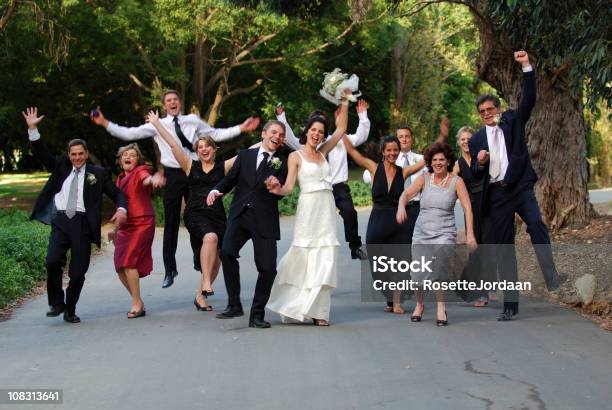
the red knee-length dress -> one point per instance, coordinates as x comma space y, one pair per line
134, 239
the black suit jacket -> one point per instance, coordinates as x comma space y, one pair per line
520, 172
60, 167
251, 191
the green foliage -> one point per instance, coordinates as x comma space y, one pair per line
23, 249
571, 38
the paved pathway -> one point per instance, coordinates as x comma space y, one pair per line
177, 358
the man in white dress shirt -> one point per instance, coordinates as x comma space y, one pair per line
186, 129
339, 171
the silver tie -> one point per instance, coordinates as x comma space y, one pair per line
494, 166
73, 195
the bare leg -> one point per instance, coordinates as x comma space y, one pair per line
209, 259
419, 307
441, 305
124, 280
397, 307
133, 281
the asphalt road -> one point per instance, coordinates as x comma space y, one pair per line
178, 358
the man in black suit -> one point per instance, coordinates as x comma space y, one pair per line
503, 161
71, 203
253, 215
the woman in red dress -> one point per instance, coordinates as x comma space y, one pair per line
134, 238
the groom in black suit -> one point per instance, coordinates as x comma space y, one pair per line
71, 203
253, 215
503, 161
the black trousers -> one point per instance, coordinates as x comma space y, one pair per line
344, 203
412, 210
504, 203
175, 191
74, 235
239, 231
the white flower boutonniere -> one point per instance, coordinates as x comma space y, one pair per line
275, 163
91, 179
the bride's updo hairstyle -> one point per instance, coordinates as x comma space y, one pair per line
311, 120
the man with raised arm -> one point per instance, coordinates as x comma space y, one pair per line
503, 161
185, 129
71, 202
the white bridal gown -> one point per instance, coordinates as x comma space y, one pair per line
307, 272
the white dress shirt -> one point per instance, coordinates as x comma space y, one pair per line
61, 198
503, 154
191, 125
336, 158
260, 156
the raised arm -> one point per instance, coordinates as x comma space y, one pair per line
363, 129
177, 150
228, 163
528, 98
290, 139
359, 159
412, 169
444, 130
341, 124
39, 149
118, 131
224, 134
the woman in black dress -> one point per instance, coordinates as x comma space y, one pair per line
387, 187
475, 269
206, 225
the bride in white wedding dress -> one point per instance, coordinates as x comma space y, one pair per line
307, 272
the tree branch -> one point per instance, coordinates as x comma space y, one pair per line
6, 16
244, 90
139, 83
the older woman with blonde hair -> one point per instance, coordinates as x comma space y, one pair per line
133, 240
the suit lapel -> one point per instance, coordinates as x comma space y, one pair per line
86, 187
251, 167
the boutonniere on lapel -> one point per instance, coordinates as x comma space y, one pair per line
91, 179
275, 163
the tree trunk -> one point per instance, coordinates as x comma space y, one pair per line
556, 133
200, 67
213, 111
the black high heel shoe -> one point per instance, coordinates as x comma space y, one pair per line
206, 293
201, 308
441, 323
415, 318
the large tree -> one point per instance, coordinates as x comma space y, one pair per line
569, 42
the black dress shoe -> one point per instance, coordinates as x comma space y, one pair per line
556, 281
231, 312
259, 323
169, 279
358, 253
56, 310
510, 310
71, 318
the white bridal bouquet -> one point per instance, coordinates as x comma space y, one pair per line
335, 82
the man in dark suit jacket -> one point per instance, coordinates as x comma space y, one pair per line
253, 215
71, 203
503, 161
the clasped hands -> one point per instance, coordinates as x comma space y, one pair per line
273, 185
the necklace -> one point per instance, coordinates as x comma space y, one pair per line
441, 184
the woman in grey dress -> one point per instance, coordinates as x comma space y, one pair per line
435, 233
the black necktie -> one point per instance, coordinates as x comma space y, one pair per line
262, 163
179, 133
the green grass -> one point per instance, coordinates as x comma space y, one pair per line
20, 190
23, 249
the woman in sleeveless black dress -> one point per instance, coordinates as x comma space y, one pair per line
206, 225
383, 229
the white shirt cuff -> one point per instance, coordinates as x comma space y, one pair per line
281, 117
363, 116
528, 69
122, 209
111, 127
213, 190
33, 134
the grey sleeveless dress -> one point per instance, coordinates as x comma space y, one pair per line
435, 232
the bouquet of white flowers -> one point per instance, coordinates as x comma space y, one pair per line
335, 83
